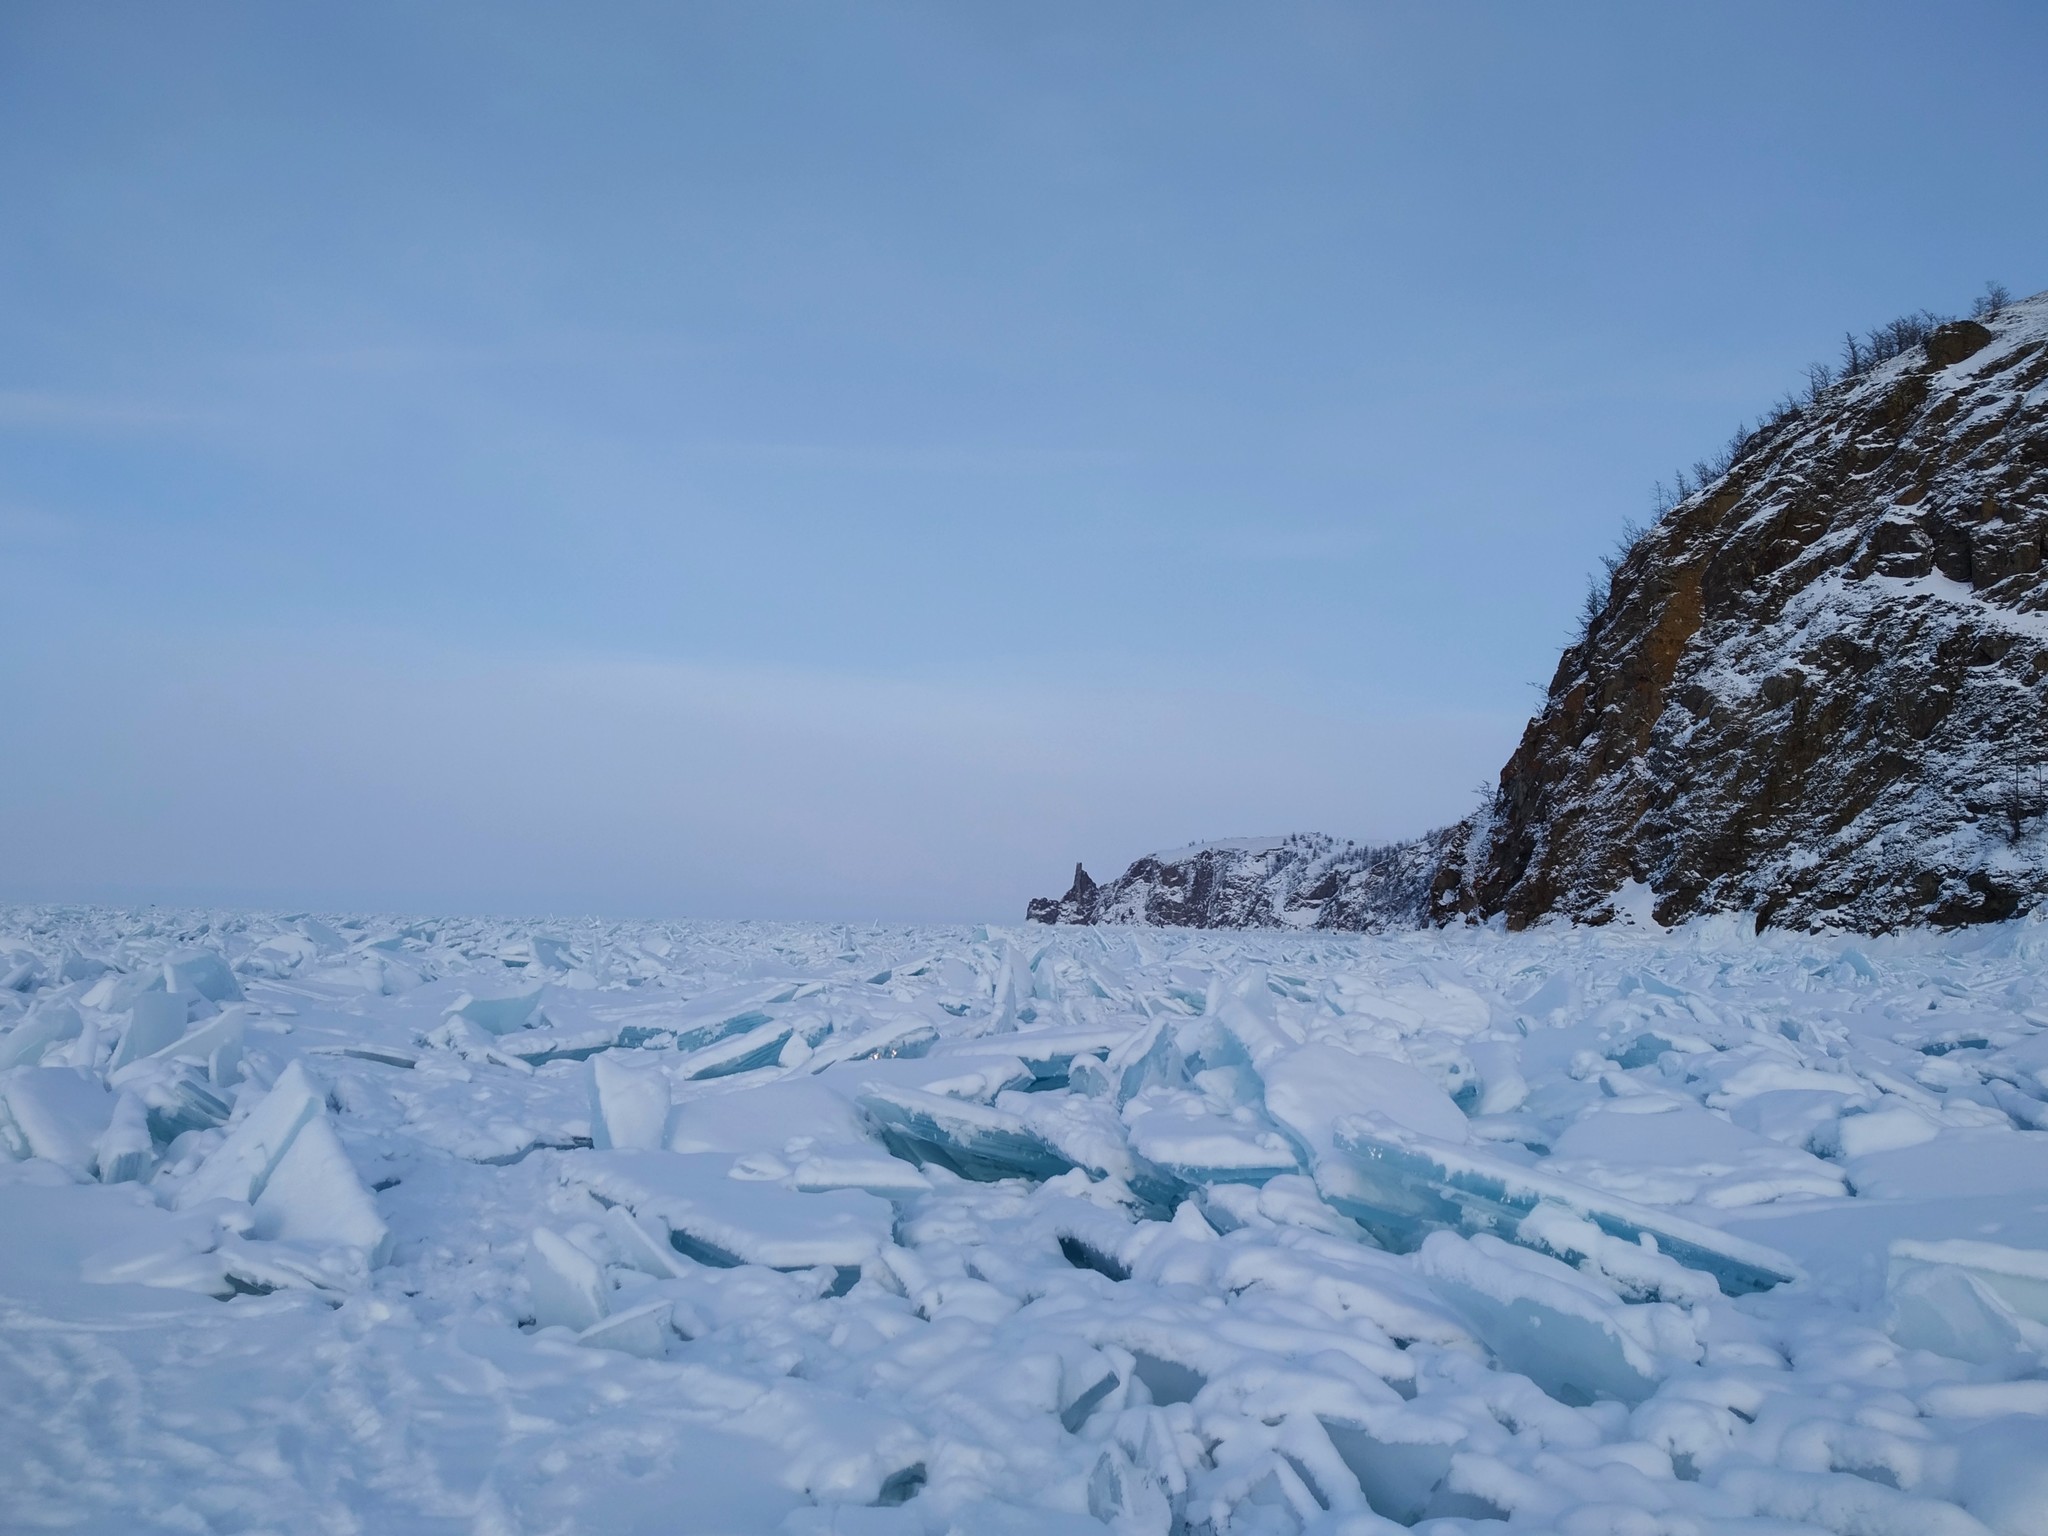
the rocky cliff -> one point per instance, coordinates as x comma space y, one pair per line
1303, 881
1816, 690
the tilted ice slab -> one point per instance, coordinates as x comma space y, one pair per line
499, 1015
1981, 1302
2017, 1276
1667, 1150
1544, 1319
1402, 1187
1310, 1089
1050, 1054
204, 971
629, 1102
720, 1220
241, 1165
895, 1039
286, 1162
742, 1051
976, 1141
313, 1195
798, 1131
56, 1113
553, 1042
566, 1288
125, 1150
155, 1020
48, 1023
1200, 1147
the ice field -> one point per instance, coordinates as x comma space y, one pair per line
380, 1226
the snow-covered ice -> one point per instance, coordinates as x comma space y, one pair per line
364, 1225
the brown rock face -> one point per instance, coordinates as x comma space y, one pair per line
1953, 342
1816, 691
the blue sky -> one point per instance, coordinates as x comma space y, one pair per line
852, 461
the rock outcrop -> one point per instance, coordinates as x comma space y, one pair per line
1816, 691
1303, 881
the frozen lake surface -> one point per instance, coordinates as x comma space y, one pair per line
464, 1226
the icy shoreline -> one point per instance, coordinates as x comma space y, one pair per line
455, 1225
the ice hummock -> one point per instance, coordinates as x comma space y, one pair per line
916, 1230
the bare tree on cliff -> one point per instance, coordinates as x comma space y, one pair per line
2019, 786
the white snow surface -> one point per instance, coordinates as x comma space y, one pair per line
907, 1231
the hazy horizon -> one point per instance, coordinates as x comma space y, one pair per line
852, 464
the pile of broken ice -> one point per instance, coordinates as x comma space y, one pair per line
457, 1225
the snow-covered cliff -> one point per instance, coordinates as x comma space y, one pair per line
1306, 880
1816, 690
